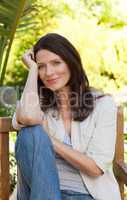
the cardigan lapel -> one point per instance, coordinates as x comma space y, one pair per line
81, 135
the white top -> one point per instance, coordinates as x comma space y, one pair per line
69, 176
96, 138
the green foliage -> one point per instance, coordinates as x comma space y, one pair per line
10, 14
108, 13
6, 112
45, 16
12, 161
106, 46
13, 171
103, 49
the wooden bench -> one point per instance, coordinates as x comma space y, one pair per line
120, 168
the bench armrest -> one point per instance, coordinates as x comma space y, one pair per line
121, 171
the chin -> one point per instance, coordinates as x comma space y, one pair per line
56, 88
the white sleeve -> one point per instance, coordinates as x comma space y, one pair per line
102, 145
15, 124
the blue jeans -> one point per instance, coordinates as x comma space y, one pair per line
37, 172
70, 195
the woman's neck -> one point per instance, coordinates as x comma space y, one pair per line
63, 97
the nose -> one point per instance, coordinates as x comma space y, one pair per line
49, 70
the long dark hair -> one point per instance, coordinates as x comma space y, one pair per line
81, 97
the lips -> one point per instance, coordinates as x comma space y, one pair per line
52, 81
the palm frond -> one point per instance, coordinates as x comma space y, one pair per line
12, 13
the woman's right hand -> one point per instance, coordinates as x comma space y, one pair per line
28, 59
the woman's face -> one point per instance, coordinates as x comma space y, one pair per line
53, 71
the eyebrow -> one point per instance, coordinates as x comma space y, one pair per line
56, 59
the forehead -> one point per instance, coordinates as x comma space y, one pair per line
46, 55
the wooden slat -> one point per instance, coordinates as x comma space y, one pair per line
119, 150
6, 124
5, 127
121, 169
4, 166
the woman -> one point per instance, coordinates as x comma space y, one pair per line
67, 131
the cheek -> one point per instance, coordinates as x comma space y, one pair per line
41, 75
65, 72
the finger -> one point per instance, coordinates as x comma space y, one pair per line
30, 53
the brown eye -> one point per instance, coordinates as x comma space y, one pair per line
57, 62
41, 66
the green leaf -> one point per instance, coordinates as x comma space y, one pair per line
11, 13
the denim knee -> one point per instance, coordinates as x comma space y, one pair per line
36, 131
32, 136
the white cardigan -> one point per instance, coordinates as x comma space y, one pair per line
95, 137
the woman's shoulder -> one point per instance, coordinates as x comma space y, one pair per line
103, 100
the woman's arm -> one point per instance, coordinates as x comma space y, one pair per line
99, 155
28, 110
77, 159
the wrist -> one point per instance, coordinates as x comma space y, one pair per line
33, 67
